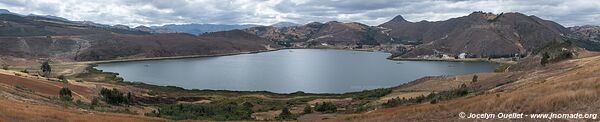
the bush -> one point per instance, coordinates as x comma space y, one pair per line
5, 66
371, 94
62, 79
474, 78
95, 102
24, 71
307, 109
326, 107
285, 114
545, 58
46, 69
215, 111
115, 96
65, 94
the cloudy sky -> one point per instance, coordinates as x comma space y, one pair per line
371, 12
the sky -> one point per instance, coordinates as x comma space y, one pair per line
266, 12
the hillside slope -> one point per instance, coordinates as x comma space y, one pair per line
33, 37
480, 34
565, 87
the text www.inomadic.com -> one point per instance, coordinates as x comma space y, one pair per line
532, 116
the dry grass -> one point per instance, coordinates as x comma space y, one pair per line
565, 87
13, 111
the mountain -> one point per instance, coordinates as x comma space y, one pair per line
33, 37
480, 34
324, 35
587, 32
202, 28
4, 11
587, 36
284, 24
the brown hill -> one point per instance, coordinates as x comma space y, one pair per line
35, 37
481, 34
318, 34
587, 36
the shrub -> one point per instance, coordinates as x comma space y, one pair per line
115, 96
285, 114
474, 78
95, 102
5, 66
307, 109
215, 111
62, 79
326, 107
24, 71
65, 94
545, 58
46, 69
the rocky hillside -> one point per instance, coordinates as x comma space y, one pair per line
478, 34
34, 37
587, 36
331, 34
481, 34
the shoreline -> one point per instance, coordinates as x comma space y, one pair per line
496, 61
175, 57
209, 55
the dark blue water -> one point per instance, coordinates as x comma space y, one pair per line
286, 71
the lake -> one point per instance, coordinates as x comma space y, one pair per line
290, 70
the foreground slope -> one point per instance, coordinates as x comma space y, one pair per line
566, 87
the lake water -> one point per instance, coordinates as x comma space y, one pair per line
286, 71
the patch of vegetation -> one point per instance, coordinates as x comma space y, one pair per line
24, 71
123, 111
475, 78
46, 69
5, 66
326, 107
433, 98
62, 79
115, 96
371, 94
212, 111
307, 109
545, 58
501, 68
285, 114
93, 74
65, 94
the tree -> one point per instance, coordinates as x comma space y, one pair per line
115, 96
326, 107
46, 69
545, 58
65, 94
285, 114
95, 102
5, 66
307, 109
474, 78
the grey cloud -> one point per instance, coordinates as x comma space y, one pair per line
371, 12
